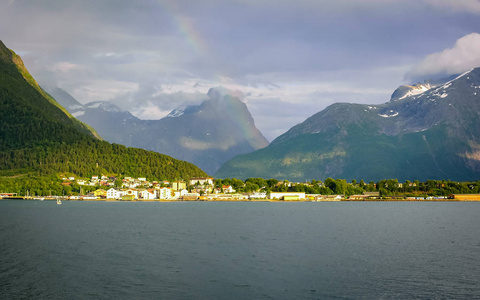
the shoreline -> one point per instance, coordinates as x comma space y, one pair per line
232, 200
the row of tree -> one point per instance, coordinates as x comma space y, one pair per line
388, 187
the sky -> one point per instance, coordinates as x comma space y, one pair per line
288, 59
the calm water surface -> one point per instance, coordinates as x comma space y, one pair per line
217, 250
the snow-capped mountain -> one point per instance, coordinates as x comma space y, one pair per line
426, 131
207, 135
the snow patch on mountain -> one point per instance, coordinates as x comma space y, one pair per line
177, 112
104, 105
93, 104
389, 114
416, 90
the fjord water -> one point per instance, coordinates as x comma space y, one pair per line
217, 250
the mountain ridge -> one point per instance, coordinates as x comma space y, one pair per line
207, 134
440, 122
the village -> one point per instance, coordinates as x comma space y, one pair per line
201, 188
104, 188
206, 189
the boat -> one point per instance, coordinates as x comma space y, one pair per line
59, 201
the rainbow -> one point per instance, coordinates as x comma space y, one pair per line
186, 28
192, 36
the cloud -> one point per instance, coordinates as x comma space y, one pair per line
65, 67
462, 57
153, 101
290, 60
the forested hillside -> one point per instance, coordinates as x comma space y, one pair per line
39, 138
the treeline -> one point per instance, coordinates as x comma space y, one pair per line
388, 187
92, 157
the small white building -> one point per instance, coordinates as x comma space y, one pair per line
164, 193
201, 181
114, 194
228, 189
147, 194
258, 195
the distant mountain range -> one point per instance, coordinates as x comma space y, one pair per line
38, 137
206, 135
426, 131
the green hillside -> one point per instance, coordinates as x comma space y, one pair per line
38, 137
433, 135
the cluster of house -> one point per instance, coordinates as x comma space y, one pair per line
94, 181
141, 189
202, 188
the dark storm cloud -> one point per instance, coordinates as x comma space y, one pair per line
304, 53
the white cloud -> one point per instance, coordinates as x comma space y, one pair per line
65, 67
463, 56
102, 90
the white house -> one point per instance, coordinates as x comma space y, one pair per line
147, 194
201, 180
258, 195
81, 182
114, 194
164, 193
228, 189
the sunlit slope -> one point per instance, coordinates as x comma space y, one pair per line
431, 134
37, 135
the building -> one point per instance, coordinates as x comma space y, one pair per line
201, 181
148, 194
258, 195
100, 193
228, 189
190, 196
114, 194
287, 196
133, 192
164, 193
179, 185
465, 197
128, 197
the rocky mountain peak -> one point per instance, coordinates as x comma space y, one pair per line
405, 91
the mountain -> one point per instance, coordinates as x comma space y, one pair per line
38, 136
426, 131
207, 135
